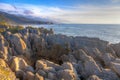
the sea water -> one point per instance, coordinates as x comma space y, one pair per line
107, 32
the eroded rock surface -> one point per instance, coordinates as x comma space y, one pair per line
39, 54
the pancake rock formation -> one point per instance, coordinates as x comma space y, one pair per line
39, 54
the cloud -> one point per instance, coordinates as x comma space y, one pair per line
115, 1
6, 7
28, 12
68, 14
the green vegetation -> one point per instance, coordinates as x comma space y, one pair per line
6, 74
3, 26
3, 23
56, 52
7, 27
30, 27
15, 29
52, 53
43, 30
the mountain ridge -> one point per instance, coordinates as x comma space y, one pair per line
19, 19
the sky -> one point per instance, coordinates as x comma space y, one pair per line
67, 11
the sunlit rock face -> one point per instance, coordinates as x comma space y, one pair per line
3, 48
39, 54
5, 72
20, 67
15, 41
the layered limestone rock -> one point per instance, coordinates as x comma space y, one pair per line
108, 74
90, 67
46, 69
107, 58
20, 64
54, 71
38, 54
16, 43
3, 48
20, 67
116, 48
116, 67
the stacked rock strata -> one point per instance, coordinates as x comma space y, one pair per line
39, 54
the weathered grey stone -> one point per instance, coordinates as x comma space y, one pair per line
94, 77
116, 67
107, 58
51, 76
16, 42
42, 73
108, 74
66, 75
67, 65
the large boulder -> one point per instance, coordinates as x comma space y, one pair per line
18, 64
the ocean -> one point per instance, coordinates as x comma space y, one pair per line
107, 32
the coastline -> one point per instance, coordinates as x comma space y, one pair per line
39, 54
104, 32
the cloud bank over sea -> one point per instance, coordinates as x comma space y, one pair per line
95, 12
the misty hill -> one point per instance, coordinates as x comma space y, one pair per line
19, 19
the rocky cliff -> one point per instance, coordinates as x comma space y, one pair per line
39, 54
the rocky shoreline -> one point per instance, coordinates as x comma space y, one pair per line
39, 54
